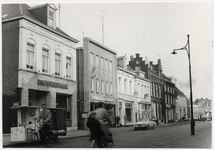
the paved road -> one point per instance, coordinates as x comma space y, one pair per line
177, 136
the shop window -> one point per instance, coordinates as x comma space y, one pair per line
30, 56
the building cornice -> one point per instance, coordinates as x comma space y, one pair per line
41, 25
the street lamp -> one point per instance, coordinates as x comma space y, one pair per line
187, 48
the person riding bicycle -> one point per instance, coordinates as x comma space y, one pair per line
45, 121
101, 115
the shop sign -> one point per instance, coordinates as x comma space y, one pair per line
102, 98
84, 115
51, 84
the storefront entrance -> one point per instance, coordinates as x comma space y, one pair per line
64, 101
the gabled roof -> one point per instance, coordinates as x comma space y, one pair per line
178, 92
16, 11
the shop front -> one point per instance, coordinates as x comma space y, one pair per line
144, 109
109, 104
38, 89
126, 111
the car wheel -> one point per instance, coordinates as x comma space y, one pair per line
135, 128
153, 127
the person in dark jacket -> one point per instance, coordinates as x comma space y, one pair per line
117, 120
103, 117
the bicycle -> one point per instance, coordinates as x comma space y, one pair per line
102, 142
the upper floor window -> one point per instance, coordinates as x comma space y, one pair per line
110, 89
119, 85
110, 66
106, 64
102, 63
130, 87
92, 59
45, 59
30, 56
57, 63
69, 67
97, 61
51, 19
102, 86
125, 86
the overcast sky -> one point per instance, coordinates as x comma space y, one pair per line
152, 29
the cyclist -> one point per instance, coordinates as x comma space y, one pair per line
45, 119
103, 117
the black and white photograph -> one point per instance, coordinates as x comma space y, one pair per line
107, 74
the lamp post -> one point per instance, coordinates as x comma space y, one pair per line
187, 48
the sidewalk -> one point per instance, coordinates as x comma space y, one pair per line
76, 134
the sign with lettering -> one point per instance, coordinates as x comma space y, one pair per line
51, 84
102, 98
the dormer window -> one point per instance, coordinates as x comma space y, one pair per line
51, 16
51, 19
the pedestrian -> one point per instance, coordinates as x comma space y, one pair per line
125, 119
117, 120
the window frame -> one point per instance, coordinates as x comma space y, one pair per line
59, 60
29, 59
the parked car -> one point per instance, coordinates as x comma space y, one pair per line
145, 123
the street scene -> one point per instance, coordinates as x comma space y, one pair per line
173, 136
107, 75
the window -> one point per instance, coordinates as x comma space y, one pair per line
119, 85
97, 85
124, 86
92, 59
102, 63
110, 66
97, 61
45, 58
68, 67
130, 87
30, 56
57, 64
92, 85
107, 88
102, 86
110, 88
142, 90
51, 19
106, 65
159, 90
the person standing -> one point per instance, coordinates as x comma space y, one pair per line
117, 120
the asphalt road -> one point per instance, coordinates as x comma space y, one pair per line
176, 136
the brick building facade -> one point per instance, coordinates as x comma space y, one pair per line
153, 72
38, 62
97, 79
